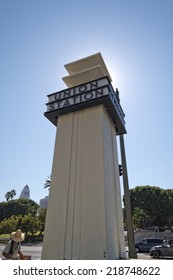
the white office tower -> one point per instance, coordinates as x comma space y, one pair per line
25, 193
43, 202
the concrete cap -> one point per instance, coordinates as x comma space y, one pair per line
85, 70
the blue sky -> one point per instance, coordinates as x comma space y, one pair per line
38, 37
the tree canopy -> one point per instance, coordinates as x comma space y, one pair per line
21, 206
28, 223
153, 204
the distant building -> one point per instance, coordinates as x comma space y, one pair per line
25, 193
43, 202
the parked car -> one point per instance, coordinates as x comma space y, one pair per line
164, 250
147, 243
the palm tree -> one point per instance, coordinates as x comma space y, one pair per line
9, 195
139, 217
47, 183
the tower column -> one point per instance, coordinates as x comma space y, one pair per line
84, 217
84, 211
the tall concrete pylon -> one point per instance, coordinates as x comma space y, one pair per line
84, 215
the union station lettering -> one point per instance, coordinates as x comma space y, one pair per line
73, 91
75, 99
86, 95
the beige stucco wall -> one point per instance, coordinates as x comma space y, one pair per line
84, 215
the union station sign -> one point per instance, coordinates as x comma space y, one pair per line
92, 93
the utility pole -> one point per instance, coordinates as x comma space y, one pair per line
130, 233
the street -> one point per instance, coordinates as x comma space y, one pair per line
34, 250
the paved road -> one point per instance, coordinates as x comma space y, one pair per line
34, 250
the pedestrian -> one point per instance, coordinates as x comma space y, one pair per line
12, 250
